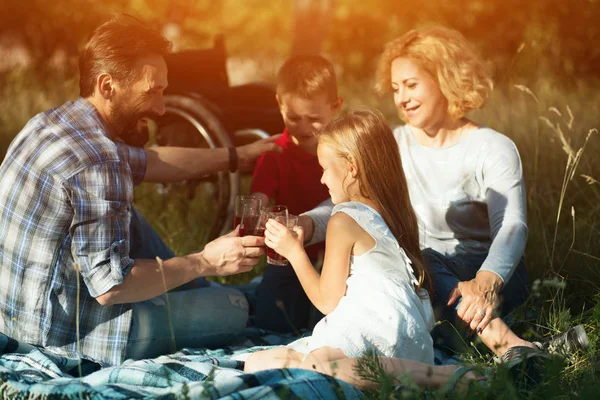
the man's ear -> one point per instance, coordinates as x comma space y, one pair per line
105, 85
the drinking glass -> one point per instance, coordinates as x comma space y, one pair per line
280, 214
247, 207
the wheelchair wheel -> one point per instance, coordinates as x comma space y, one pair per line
191, 121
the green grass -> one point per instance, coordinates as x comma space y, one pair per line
551, 126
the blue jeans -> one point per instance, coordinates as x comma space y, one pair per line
447, 271
198, 316
281, 303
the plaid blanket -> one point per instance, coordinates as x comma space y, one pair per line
27, 372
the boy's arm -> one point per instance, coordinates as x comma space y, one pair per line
326, 290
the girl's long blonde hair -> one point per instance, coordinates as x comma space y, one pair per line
364, 137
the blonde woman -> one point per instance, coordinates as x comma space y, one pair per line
465, 183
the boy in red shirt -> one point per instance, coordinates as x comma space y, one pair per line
308, 100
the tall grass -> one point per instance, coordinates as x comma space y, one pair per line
24, 94
554, 128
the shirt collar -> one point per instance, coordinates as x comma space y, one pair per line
87, 108
288, 144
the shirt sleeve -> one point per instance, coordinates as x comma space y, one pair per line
320, 216
507, 211
101, 197
136, 158
266, 176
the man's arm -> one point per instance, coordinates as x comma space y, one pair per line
100, 243
223, 256
172, 164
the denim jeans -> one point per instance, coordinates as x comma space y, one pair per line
446, 272
281, 304
192, 315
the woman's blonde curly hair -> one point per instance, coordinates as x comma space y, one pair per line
462, 75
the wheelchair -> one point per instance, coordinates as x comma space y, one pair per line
203, 110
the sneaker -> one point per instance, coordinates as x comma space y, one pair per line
526, 365
569, 342
517, 354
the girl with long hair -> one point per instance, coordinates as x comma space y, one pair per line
372, 288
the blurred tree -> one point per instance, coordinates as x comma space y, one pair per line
311, 22
257, 29
558, 35
46, 28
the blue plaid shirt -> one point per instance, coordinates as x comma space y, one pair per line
66, 190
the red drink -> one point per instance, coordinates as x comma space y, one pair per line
249, 226
245, 206
280, 214
275, 258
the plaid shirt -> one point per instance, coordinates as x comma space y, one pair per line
66, 190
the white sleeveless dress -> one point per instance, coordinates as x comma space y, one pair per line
381, 310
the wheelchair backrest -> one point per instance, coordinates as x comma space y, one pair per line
203, 71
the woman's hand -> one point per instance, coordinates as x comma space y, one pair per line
282, 240
308, 226
479, 299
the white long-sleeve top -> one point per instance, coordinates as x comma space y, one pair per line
469, 198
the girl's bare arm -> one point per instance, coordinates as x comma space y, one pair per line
326, 289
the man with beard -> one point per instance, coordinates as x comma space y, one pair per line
75, 277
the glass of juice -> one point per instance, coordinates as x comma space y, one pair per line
278, 259
250, 223
245, 206
280, 214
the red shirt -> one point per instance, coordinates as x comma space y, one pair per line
292, 178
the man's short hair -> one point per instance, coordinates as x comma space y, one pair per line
307, 76
114, 48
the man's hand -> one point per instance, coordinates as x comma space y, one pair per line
231, 254
248, 154
479, 299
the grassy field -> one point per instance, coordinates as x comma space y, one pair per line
554, 128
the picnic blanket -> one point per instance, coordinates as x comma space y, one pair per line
28, 372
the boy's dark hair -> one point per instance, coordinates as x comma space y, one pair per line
115, 47
307, 76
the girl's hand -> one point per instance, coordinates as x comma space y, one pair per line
282, 240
